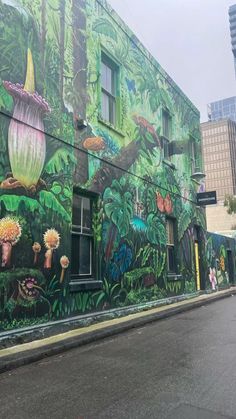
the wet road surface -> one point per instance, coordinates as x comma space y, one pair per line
183, 367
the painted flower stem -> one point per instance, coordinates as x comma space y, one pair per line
6, 254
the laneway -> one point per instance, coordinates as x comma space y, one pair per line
181, 367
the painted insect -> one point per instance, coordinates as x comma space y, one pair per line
164, 204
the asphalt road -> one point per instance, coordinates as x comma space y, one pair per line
183, 367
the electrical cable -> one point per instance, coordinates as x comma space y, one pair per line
99, 158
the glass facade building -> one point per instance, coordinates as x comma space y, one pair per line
219, 154
222, 109
232, 23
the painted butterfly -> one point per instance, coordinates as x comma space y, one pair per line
164, 204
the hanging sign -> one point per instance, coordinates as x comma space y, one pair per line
206, 198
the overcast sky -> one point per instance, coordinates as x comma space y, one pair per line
191, 41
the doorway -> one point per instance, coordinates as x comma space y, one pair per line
230, 266
200, 284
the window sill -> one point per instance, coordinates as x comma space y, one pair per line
111, 126
174, 277
85, 285
168, 163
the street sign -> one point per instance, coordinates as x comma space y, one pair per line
206, 198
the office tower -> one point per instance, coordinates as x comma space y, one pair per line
219, 155
232, 21
225, 108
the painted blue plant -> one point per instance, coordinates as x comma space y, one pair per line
131, 85
138, 224
121, 261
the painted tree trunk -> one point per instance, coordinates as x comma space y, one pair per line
62, 51
80, 81
43, 39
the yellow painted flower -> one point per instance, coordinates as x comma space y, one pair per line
51, 239
222, 263
10, 230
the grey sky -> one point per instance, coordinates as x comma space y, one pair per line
190, 39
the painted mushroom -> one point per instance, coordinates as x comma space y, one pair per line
26, 138
10, 232
36, 249
52, 241
64, 261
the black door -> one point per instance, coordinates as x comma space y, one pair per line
230, 266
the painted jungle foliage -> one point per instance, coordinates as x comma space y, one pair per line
92, 126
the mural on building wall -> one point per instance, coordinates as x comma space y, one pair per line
50, 79
221, 261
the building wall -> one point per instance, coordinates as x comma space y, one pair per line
218, 219
49, 154
220, 252
232, 21
221, 109
219, 154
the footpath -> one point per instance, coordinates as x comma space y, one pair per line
32, 345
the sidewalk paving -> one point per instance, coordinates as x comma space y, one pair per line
25, 353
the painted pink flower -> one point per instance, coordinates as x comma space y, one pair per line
26, 138
212, 278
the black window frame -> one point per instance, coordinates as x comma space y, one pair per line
193, 158
113, 110
171, 247
81, 232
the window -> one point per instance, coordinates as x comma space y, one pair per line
82, 237
166, 131
165, 147
109, 81
166, 124
193, 155
170, 224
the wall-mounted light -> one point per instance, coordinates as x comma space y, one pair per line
198, 175
81, 124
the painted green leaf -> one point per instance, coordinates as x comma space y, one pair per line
151, 200
104, 27
6, 100
14, 203
49, 201
184, 221
59, 161
222, 251
118, 207
156, 232
56, 188
146, 156
67, 192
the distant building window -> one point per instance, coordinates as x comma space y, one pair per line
166, 133
170, 249
109, 81
82, 237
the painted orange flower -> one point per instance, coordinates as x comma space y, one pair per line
51, 239
10, 230
222, 263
